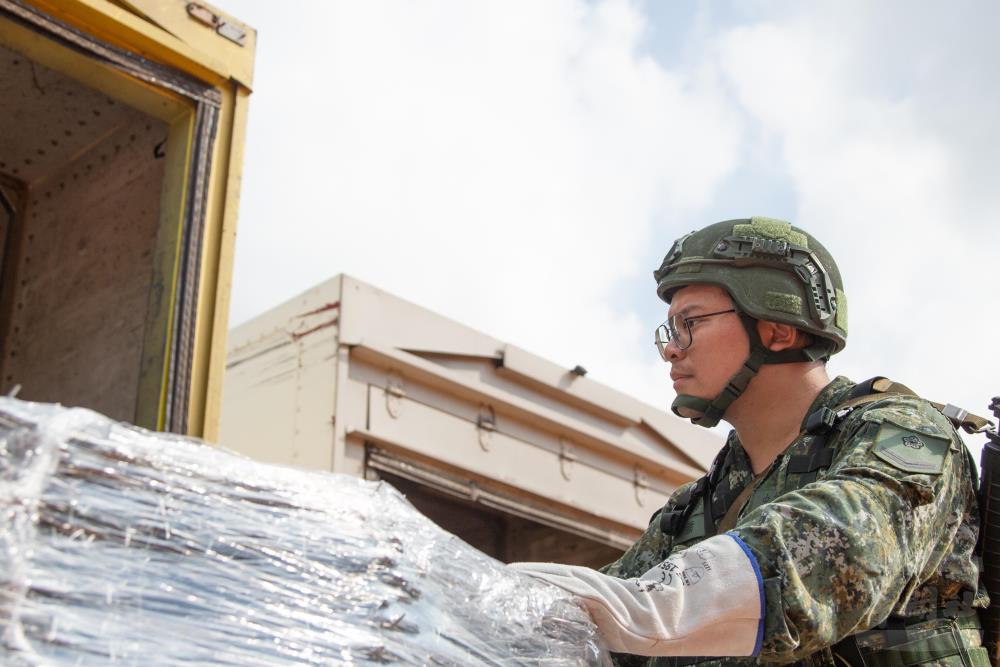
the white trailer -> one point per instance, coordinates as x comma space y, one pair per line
520, 457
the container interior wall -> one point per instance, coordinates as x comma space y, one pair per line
11, 192
77, 261
503, 536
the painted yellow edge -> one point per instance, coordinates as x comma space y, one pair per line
172, 16
204, 409
151, 402
120, 27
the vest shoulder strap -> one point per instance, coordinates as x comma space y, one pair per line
699, 496
877, 387
806, 466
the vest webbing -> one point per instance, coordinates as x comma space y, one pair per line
820, 424
803, 469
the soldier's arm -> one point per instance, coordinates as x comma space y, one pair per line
797, 574
649, 549
839, 555
706, 600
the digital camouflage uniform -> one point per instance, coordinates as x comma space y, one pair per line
886, 531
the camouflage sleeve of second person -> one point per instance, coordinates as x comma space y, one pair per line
889, 529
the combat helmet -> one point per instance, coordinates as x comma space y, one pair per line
773, 271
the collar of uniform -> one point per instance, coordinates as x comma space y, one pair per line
831, 395
737, 456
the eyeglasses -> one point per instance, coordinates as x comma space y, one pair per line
677, 329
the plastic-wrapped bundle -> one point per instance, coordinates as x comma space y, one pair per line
120, 546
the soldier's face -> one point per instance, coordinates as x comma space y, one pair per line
719, 345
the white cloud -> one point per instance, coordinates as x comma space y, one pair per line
881, 171
501, 164
505, 164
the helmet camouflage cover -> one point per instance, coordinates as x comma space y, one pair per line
772, 270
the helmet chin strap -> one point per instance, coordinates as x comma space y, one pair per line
710, 411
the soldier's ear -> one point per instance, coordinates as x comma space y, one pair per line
777, 336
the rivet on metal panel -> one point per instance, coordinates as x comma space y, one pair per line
486, 424
567, 457
394, 394
233, 33
202, 14
641, 483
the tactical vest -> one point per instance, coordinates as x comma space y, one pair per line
898, 642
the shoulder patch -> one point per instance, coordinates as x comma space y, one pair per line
909, 450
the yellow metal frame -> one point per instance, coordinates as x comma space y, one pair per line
153, 380
217, 265
161, 31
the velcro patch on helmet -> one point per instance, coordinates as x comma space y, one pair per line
841, 320
783, 302
911, 451
771, 228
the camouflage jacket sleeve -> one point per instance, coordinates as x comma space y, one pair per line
886, 530
650, 549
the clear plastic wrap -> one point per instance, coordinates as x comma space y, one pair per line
120, 546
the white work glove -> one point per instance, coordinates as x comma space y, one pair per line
707, 600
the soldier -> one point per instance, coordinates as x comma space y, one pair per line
838, 523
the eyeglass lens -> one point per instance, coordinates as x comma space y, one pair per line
675, 328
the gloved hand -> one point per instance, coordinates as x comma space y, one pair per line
707, 600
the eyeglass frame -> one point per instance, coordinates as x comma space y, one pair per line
674, 337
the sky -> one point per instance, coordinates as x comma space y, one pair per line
523, 167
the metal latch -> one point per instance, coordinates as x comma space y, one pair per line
641, 484
206, 16
567, 457
486, 425
202, 14
233, 33
394, 394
